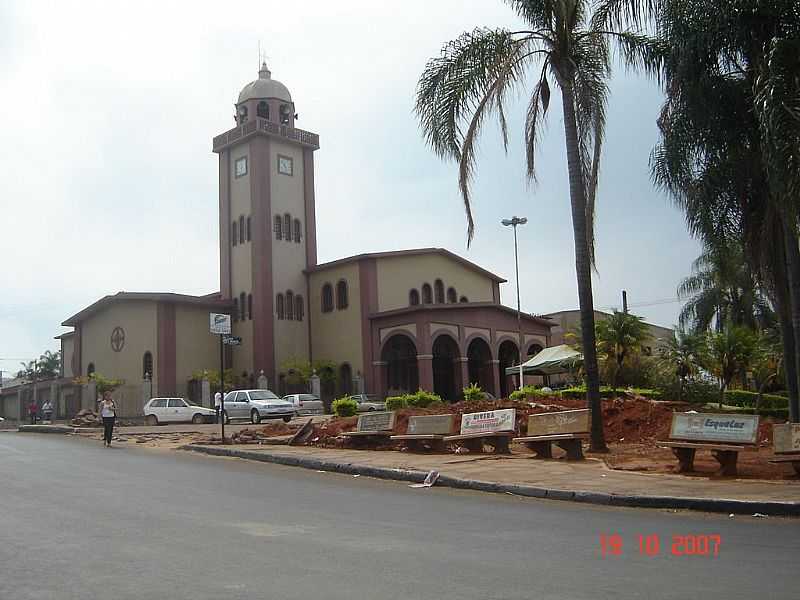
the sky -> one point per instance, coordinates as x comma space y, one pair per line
108, 110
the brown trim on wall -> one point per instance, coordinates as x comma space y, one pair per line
261, 259
224, 224
77, 347
368, 286
310, 208
166, 349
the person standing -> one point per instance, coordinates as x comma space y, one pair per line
47, 411
217, 405
108, 412
32, 410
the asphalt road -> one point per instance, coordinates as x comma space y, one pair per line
81, 521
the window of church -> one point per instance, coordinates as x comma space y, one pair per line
438, 288
147, 365
297, 232
279, 306
427, 294
262, 110
242, 307
327, 298
341, 295
452, 297
299, 308
413, 298
278, 227
235, 309
463, 300
249, 225
250, 306
287, 227
90, 369
241, 229
290, 305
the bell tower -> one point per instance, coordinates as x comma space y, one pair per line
267, 227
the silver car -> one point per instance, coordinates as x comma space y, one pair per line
305, 404
367, 403
256, 405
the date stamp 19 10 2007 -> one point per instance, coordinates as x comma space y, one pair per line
650, 545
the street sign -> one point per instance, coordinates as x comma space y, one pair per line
232, 340
220, 324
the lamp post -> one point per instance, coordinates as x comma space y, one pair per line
513, 222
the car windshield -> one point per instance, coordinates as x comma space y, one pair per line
191, 402
263, 395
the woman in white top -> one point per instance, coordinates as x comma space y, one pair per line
108, 412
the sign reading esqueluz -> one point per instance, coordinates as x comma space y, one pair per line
710, 427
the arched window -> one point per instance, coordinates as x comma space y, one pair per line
262, 110
278, 227
234, 233
147, 365
250, 306
297, 231
427, 294
299, 308
341, 295
241, 229
279, 306
249, 231
463, 300
413, 298
438, 288
242, 114
235, 309
290, 305
242, 307
452, 297
327, 298
287, 227
90, 370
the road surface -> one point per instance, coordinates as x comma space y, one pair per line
81, 521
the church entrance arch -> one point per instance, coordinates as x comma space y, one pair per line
508, 353
400, 355
445, 368
479, 364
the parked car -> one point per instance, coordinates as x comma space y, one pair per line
368, 403
305, 404
256, 405
175, 410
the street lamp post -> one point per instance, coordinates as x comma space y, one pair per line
513, 222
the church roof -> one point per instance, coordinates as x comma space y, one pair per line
413, 252
264, 87
210, 300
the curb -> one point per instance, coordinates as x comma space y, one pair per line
718, 505
46, 429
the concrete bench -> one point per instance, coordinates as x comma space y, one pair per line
723, 435
786, 445
494, 428
426, 433
566, 429
372, 428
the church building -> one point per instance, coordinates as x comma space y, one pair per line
391, 321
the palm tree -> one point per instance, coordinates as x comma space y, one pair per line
682, 354
618, 337
728, 353
563, 41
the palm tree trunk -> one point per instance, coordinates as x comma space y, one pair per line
583, 267
793, 280
787, 340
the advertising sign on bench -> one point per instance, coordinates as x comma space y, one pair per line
707, 427
492, 420
786, 438
567, 421
376, 421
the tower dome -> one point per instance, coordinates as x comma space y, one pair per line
264, 87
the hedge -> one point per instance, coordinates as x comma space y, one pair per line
345, 407
579, 393
396, 402
747, 399
778, 413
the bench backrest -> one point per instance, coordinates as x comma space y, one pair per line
430, 425
710, 427
376, 421
566, 421
786, 438
489, 421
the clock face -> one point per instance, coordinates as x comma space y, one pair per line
285, 165
241, 166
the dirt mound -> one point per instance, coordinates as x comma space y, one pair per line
87, 418
250, 435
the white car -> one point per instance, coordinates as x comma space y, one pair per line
175, 410
256, 405
305, 404
367, 403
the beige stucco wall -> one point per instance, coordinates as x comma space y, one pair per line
569, 322
287, 195
337, 335
67, 352
397, 275
195, 347
241, 254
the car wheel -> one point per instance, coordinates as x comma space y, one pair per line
198, 419
287, 419
371, 408
151, 420
255, 417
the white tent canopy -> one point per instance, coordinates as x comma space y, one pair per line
550, 361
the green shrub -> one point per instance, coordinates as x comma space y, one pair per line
778, 413
579, 393
473, 393
530, 391
422, 399
344, 407
747, 399
396, 402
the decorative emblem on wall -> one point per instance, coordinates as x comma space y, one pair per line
117, 339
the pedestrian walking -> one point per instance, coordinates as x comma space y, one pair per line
47, 411
32, 410
108, 412
217, 405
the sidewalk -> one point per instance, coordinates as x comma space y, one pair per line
586, 481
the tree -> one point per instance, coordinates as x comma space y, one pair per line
299, 371
618, 337
682, 354
563, 41
729, 352
47, 366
